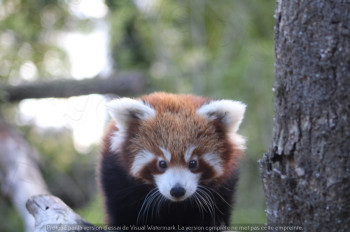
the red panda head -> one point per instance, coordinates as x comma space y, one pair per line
177, 142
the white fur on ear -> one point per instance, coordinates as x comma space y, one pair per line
123, 110
229, 112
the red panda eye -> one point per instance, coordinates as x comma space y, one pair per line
162, 164
192, 164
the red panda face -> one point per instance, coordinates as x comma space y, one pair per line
177, 142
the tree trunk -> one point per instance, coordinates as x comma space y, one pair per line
306, 174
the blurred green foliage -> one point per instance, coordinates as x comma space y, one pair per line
30, 32
219, 49
69, 174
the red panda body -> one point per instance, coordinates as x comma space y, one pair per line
171, 160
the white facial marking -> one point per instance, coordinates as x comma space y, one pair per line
177, 176
166, 153
188, 153
140, 161
214, 161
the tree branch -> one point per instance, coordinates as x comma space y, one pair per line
21, 180
19, 174
130, 83
52, 214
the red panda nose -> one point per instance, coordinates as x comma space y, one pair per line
177, 191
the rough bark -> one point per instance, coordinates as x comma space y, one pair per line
123, 84
19, 175
306, 174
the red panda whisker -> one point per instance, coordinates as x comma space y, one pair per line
160, 204
151, 205
210, 197
217, 193
206, 189
210, 190
155, 205
151, 202
192, 199
145, 205
210, 206
199, 204
207, 202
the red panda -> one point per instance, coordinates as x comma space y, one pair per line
171, 160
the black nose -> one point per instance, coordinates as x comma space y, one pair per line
177, 191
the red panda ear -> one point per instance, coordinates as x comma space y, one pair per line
123, 110
228, 112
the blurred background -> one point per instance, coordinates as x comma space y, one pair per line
219, 49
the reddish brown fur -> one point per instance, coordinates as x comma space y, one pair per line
176, 127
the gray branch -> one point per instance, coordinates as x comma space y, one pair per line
20, 177
124, 84
21, 180
52, 214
